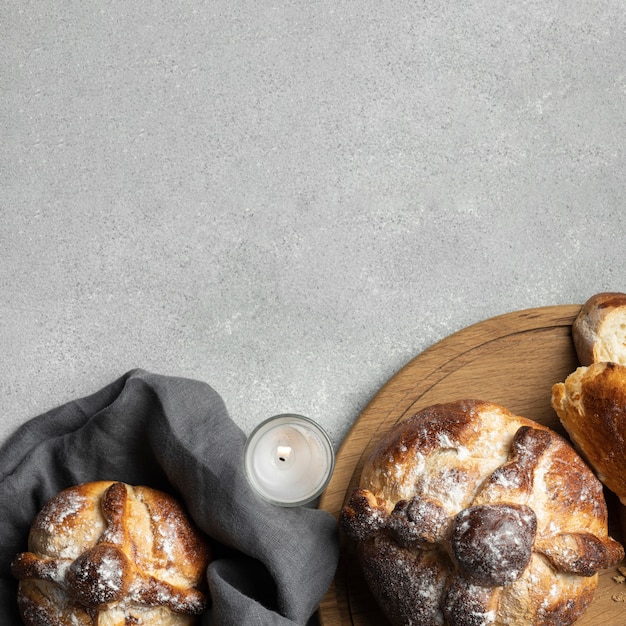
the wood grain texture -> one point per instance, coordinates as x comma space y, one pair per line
512, 360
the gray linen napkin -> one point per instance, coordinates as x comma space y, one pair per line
272, 565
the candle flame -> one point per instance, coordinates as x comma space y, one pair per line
283, 453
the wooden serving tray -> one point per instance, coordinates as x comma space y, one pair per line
512, 360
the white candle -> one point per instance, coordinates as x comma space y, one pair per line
289, 459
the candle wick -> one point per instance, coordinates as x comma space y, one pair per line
284, 452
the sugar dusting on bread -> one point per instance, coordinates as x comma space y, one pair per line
462, 504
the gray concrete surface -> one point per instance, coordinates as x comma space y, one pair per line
290, 200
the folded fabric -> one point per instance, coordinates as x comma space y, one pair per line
273, 564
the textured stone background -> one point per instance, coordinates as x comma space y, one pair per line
290, 200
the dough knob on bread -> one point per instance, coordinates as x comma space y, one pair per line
599, 330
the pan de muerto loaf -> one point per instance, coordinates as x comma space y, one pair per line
468, 515
108, 554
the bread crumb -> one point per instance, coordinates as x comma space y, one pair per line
619, 597
619, 579
622, 570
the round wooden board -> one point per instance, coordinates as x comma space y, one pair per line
512, 360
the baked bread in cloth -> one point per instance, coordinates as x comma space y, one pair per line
469, 515
271, 565
109, 553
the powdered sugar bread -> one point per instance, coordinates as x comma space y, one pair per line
599, 330
466, 514
109, 554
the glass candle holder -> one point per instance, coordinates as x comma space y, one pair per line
289, 459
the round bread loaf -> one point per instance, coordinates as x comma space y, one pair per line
469, 515
109, 554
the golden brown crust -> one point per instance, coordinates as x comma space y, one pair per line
467, 515
599, 330
108, 553
591, 405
